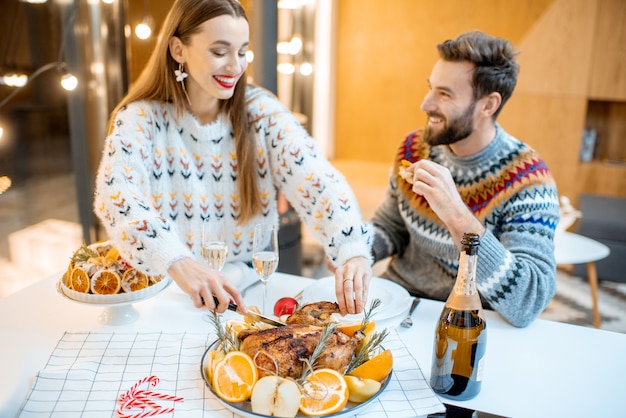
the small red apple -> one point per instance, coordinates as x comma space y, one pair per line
285, 306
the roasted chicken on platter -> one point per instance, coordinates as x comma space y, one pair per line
290, 346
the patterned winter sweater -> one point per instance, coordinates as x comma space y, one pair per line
159, 179
509, 189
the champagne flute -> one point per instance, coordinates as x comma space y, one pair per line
214, 247
265, 255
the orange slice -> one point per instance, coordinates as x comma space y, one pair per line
80, 280
377, 368
349, 328
134, 280
106, 282
155, 279
212, 358
324, 392
234, 377
406, 163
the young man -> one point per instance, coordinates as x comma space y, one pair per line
468, 175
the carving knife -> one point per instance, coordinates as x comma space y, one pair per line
256, 316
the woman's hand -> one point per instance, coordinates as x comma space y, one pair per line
352, 282
201, 283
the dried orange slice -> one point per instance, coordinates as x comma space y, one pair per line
324, 392
234, 377
80, 280
155, 279
106, 282
406, 163
134, 280
377, 368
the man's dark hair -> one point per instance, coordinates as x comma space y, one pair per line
494, 59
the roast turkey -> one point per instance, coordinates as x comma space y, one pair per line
287, 348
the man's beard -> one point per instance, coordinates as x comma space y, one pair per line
455, 129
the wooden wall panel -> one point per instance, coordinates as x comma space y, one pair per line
556, 52
608, 65
385, 52
603, 179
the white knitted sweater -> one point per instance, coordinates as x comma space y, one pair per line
158, 179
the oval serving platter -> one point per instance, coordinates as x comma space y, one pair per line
245, 408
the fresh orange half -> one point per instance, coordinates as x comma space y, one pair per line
133, 280
377, 368
80, 280
234, 377
106, 282
324, 392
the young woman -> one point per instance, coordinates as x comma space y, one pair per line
192, 141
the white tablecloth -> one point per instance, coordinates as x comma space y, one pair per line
545, 370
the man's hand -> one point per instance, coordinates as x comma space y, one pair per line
352, 282
201, 283
435, 183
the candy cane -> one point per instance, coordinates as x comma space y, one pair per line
139, 398
163, 396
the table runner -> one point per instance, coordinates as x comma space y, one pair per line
87, 372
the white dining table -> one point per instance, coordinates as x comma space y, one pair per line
547, 369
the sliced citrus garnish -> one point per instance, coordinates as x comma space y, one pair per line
377, 368
251, 319
80, 280
406, 163
324, 392
112, 254
349, 328
106, 282
234, 377
155, 279
133, 280
212, 358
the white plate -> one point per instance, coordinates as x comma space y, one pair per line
394, 298
118, 298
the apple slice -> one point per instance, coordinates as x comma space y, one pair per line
275, 396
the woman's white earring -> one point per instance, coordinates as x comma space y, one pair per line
180, 73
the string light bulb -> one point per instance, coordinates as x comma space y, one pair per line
14, 80
69, 82
144, 29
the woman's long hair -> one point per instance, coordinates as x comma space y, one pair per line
158, 82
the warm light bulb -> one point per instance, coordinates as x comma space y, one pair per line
108, 1
143, 30
306, 69
286, 68
249, 56
69, 82
15, 80
1, 132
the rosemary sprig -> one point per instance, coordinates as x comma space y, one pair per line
362, 353
228, 342
83, 254
367, 315
309, 363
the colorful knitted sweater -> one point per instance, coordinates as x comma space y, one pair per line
159, 179
509, 189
